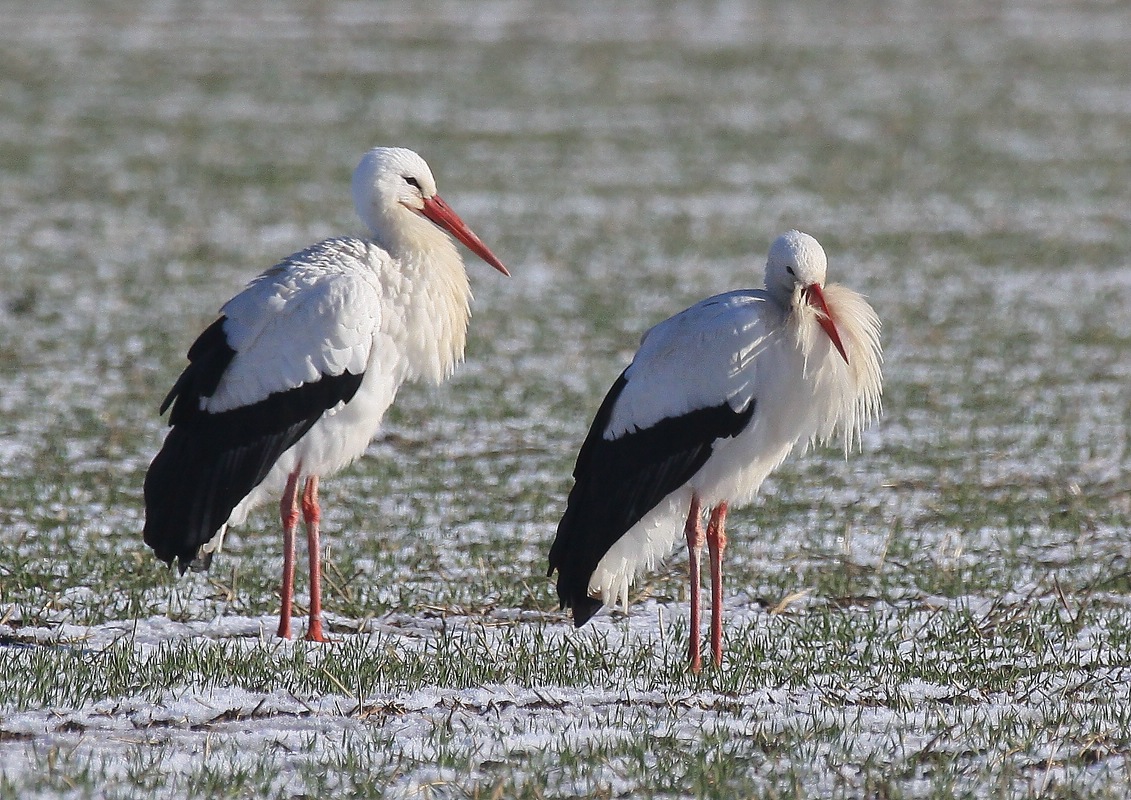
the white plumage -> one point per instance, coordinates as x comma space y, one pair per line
329, 312
293, 379
715, 398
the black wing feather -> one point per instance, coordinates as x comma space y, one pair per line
209, 358
618, 482
211, 461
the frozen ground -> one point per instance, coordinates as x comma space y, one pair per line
945, 614
444, 704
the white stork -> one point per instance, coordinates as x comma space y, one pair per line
715, 398
291, 382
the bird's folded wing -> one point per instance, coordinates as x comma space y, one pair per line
701, 358
296, 326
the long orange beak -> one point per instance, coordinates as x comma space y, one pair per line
441, 213
816, 298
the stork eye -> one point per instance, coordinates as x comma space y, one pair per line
790, 271
411, 181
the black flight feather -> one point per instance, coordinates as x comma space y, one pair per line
617, 482
211, 461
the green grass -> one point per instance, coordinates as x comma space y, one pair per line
809, 702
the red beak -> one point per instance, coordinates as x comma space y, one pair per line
816, 298
441, 213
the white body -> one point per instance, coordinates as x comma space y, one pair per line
395, 306
345, 306
737, 348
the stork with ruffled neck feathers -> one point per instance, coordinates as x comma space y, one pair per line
291, 382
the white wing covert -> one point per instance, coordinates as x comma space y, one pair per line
697, 359
296, 323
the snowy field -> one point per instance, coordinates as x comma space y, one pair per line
946, 613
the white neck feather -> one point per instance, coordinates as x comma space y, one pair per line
848, 394
428, 290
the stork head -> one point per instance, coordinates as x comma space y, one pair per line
795, 275
393, 188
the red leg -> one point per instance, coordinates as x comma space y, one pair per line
311, 513
693, 530
288, 511
716, 543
